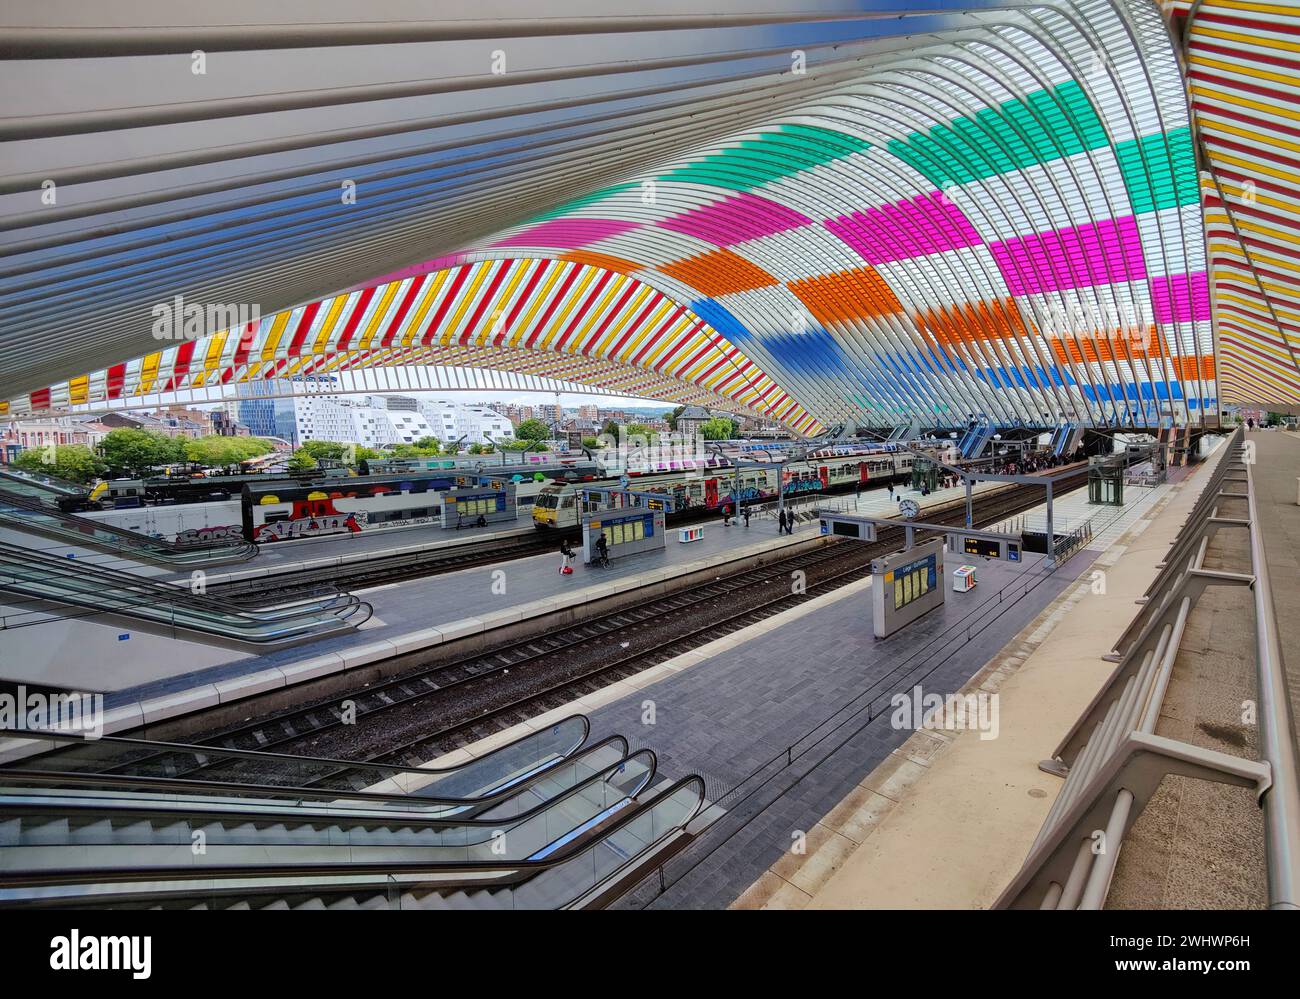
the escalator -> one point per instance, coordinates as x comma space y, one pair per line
46, 489
30, 515
34, 583
558, 831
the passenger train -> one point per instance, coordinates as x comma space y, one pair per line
709, 485
301, 508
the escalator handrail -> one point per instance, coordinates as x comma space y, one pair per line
233, 625
145, 587
226, 550
512, 870
141, 596
49, 483
383, 817
255, 754
50, 780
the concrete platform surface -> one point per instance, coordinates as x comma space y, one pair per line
947, 823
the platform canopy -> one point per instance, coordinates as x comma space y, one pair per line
817, 211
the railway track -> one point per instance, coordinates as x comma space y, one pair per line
430, 710
390, 569
413, 565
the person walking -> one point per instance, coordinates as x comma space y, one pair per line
602, 551
566, 554
891, 490
780, 521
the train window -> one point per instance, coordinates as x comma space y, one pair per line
566, 502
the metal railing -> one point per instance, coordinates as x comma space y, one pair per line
1113, 761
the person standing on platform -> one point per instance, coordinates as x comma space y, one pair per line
566, 553
780, 521
744, 515
726, 515
602, 551
891, 490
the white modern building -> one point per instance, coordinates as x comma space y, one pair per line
368, 422
452, 421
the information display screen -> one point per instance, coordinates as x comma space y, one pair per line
985, 547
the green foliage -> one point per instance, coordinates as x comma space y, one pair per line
138, 452
323, 450
333, 452
74, 462
302, 463
225, 452
719, 428
431, 445
515, 445
640, 430
415, 451
590, 443
672, 417
532, 430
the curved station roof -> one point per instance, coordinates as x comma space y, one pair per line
849, 213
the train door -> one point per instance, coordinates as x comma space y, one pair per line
864, 473
710, 493
824, 474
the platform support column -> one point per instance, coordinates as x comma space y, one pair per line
970, 516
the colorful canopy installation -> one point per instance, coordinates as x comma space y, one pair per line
841, 213
1243, 71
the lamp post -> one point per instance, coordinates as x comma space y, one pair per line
495, 446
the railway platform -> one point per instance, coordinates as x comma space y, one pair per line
154, 678
946, 819
788, 719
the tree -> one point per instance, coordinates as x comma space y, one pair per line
532, 430
641, 430
415, 451
74, 462
590, 443
430, 444
137, 452
719, 428
323, 450
672, 417
225, 452
302, 463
